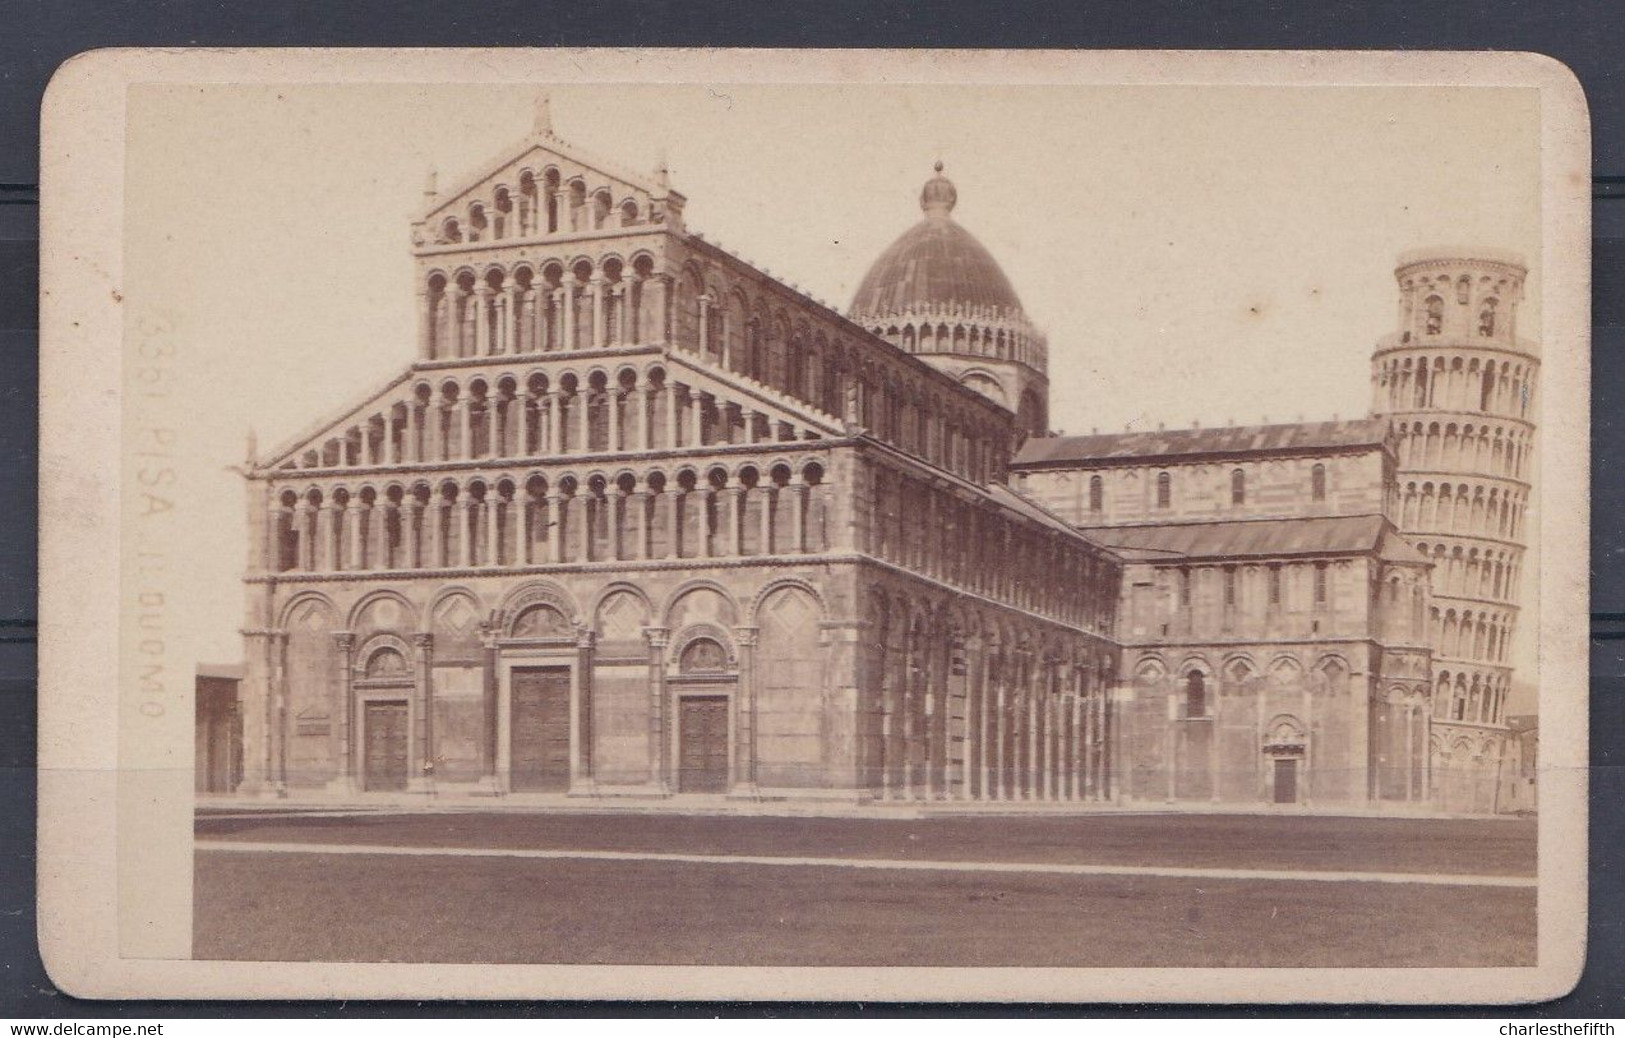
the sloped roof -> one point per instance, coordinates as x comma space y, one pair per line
1293, 437
1038, 513
1334, 535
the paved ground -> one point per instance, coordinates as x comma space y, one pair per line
1102, 890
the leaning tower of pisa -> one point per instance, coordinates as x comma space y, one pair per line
1459, 386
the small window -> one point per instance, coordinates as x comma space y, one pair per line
1317, 482
1165, 490
1320, 583
1229, 587
1435, 311
1275, 585
1195, 694
1238, 487
1184, 587
1486, 319
1097, 494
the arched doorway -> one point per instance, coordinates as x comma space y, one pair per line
384, 693
704, 731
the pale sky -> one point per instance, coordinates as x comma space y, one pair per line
1193, 253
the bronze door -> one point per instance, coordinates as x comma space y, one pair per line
702, 744
385, 766
539, 723
1286, 780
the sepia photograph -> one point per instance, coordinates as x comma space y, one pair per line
711, 520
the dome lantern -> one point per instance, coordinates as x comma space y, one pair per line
938, 196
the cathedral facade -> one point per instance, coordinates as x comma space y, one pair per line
641, 520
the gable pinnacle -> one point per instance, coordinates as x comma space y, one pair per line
543, 125
663, 172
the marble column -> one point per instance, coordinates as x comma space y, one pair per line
353, 518
704, 344
595, 286
659, 741
344, 645
465, 429
425, 323
555, 523
734, 499
670, 430
412, 530
327, 520
638, 502
746, 720
798, 516
582, 771
555, 425
482, 320
493, 528
567, 320
423, 673
489, 656
519, 416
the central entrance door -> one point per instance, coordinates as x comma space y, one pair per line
702, 744
385, 756
539, 727
1286, 780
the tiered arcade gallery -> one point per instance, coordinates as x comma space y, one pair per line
641, 520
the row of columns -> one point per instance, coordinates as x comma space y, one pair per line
654, 416
705, 521
1460, 386
1434, 450
486, 319
975, 733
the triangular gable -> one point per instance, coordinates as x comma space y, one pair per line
339, 424
535, 154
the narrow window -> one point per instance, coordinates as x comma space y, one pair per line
1195, 694
1238, 487
1164, 490
1275, 585
1317, 482
1097, 494
1435, 310
1486, 319
1185, 587
1320, 583
1230, 587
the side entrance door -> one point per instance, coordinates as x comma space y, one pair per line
702, 744
1286, 780
539, 727
385, 766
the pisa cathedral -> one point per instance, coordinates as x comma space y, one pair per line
641, 520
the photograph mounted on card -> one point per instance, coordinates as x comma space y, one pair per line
720, 524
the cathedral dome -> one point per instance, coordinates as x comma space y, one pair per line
935, 263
